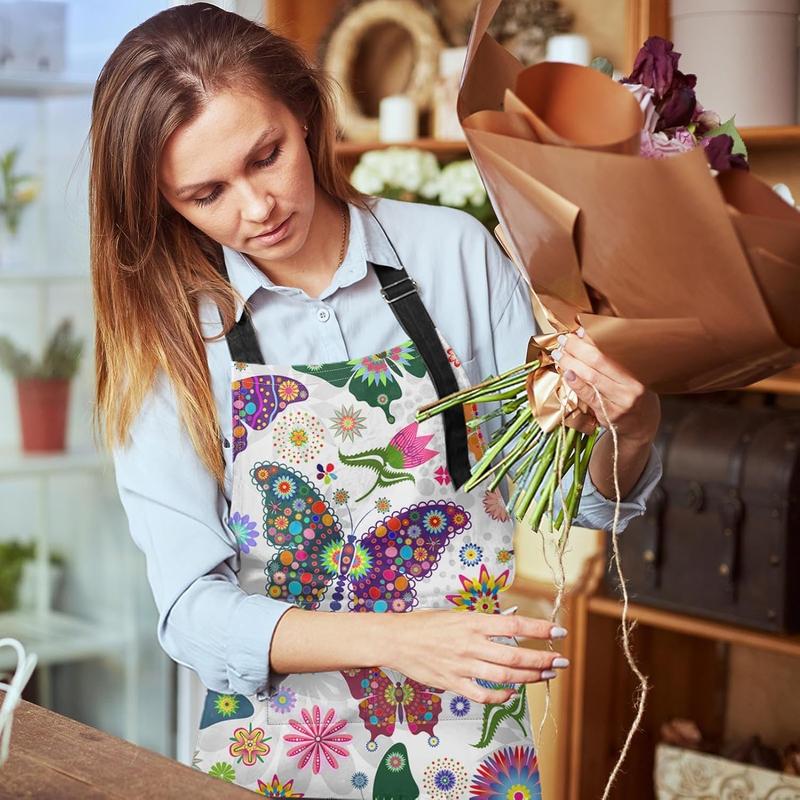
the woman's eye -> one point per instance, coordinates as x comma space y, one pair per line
268, 161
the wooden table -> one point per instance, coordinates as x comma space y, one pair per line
53, 756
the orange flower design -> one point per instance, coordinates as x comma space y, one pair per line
249, 745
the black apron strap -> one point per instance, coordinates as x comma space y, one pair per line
400, 293
242, 339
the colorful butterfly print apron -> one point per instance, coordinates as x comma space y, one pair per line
343, 503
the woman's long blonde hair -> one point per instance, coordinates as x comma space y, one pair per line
150, 266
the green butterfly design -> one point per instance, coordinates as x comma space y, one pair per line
373, 379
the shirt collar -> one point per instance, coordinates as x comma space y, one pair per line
366, 242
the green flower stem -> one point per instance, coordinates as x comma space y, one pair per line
526, 441
582, 468
557, 467
524, 415
536, 477
516, 376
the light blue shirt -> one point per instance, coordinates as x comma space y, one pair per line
176, 513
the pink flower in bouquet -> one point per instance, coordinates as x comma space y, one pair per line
660, 145
646, 97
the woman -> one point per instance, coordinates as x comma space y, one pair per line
227, 245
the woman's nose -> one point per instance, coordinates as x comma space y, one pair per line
256, 204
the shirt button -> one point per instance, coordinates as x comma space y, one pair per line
323, 315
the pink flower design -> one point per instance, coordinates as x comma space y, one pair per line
410, 447
442, 476
495, 505
318, 738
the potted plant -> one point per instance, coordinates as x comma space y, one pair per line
18, 575
43, 387
16, 191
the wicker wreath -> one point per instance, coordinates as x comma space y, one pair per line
347, 40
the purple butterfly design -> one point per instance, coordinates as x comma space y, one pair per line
257, 401
378, 570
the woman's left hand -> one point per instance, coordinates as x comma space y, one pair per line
631, 407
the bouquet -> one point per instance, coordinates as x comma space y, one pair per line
684, 274
629, 210
407, 173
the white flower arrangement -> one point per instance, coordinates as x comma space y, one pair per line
408, 173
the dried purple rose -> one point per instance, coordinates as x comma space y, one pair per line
720, 155
677, 107
655, 66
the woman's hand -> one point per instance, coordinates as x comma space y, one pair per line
446, 649
634, 410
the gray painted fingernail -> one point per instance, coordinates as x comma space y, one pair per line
558, 633
548, 675
557, 354
581, 332
560, 663
562, 339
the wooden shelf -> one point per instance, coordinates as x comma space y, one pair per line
58, 638
439, 147
696, 626
771, 136
18, 464
787, 382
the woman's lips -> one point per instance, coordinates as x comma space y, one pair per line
276, 234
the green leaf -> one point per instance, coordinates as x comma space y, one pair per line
602, 64
729, 128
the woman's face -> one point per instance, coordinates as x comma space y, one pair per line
241, 170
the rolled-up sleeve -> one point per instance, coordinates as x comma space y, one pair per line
176, 514
513, 323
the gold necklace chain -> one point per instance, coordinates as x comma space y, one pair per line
344, 235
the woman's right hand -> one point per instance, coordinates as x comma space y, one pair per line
446, 649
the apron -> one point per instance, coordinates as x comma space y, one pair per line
341, 502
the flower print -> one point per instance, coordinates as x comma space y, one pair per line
249, 745
470, 554
341, 496
283, 700
508, 772
317, 738
275, 788
398, 605
453, 358
281, 523
504, 555
481, 594
394, 761
420, 553
445, 779
325, 473
223, 771
289, 390
348, 423
284, 487
374, 369
298, 437
226, 705
245, 531
359, 781
383, 505
442, 476
495, 505
460, 706
406, 450
240, 365
434, 522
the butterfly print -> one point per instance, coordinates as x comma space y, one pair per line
378, 571
383, 701
258, 401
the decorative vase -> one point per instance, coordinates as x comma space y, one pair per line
746, 53
43, 405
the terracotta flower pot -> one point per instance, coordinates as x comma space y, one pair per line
43, 405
